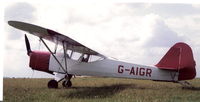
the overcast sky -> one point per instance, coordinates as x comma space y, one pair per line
139, 33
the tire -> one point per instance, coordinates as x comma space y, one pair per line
52, 84
67, 84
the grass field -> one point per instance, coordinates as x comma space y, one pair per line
90, 89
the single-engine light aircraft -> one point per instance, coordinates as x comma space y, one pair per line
177, 65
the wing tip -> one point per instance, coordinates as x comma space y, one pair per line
11, 23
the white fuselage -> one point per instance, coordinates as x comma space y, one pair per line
112, 68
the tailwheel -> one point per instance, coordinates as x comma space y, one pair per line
67, 84
52, 84
186, 85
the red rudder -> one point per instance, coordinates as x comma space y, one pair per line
179, 58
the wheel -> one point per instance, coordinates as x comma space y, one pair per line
52, 84
67, 84
63, 83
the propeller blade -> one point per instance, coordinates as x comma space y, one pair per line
28, 48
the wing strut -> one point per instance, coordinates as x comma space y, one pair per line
56, 46
53, 55
65, 54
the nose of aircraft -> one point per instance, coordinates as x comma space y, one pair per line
40, 61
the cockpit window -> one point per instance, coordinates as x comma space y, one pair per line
85, 57
76, 56
94, 58
79, 56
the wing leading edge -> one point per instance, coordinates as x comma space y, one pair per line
53, 37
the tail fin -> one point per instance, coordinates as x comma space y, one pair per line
179, 58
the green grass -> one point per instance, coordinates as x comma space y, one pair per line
93, 89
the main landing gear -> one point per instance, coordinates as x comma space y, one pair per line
66, 83
52, 84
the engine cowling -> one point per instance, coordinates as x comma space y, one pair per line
40, 61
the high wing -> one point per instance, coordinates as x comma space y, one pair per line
53, 37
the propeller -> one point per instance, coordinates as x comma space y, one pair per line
28, 48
